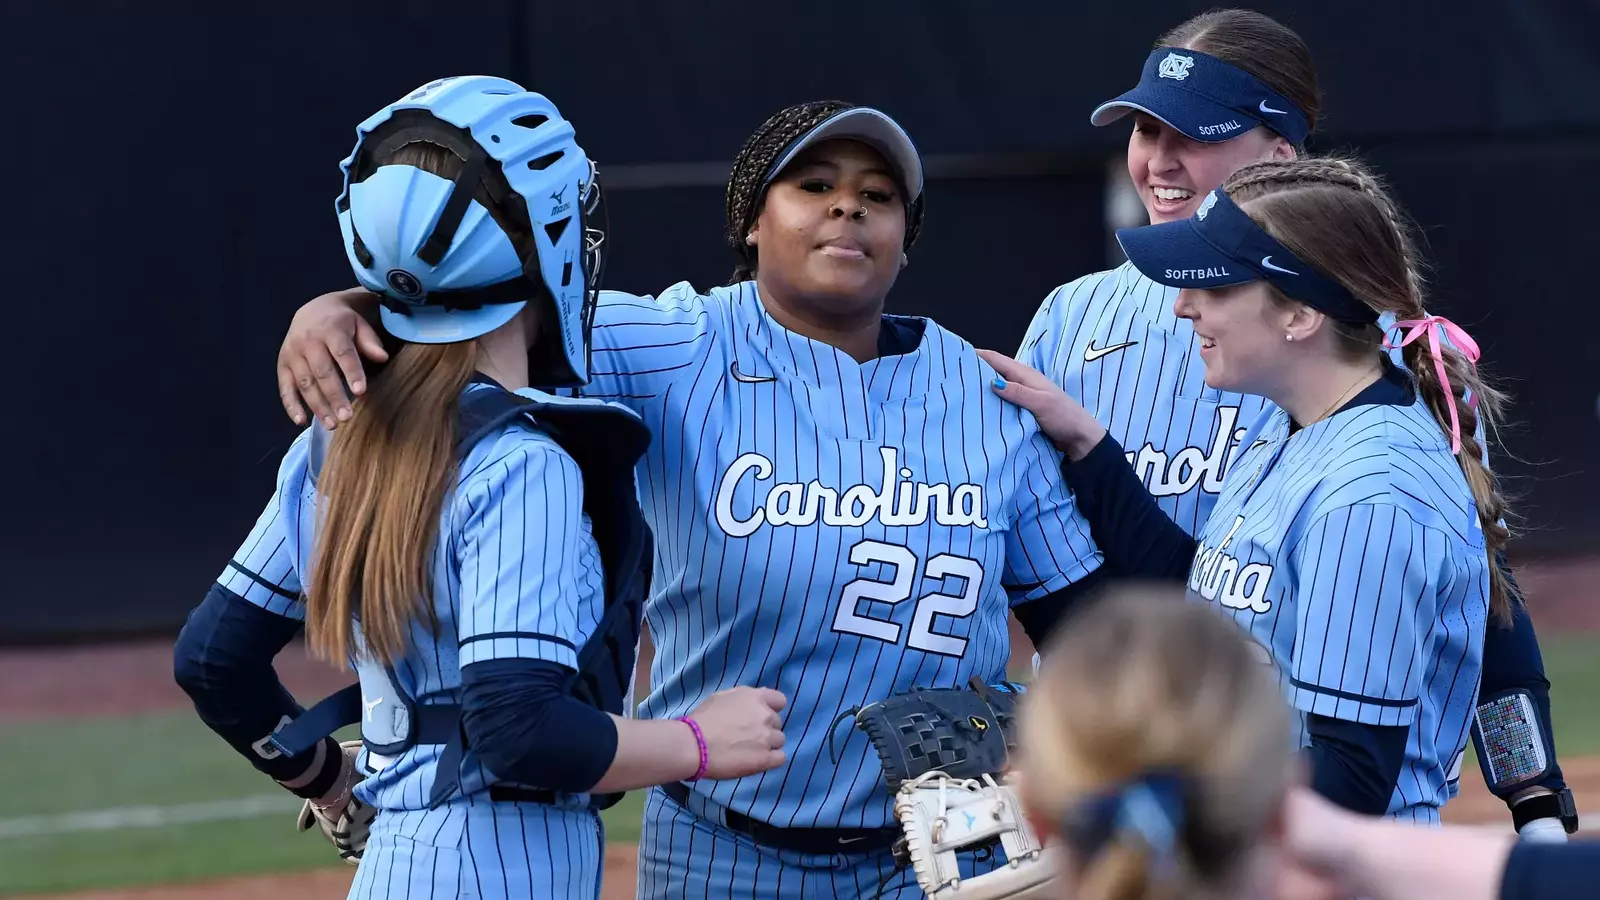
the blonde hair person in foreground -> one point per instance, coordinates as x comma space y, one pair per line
1156, 750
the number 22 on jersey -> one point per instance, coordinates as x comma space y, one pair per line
850, 618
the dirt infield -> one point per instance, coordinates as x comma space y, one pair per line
136, 677
320, 884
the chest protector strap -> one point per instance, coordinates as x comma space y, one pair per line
606, 442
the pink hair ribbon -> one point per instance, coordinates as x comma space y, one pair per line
1433, 326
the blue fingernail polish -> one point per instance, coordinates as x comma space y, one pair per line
999, 383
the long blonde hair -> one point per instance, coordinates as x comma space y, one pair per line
1147, 691
384, 483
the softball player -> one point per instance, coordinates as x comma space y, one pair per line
1226, 89
477, 555
1152, 745
842, 509
1348, 536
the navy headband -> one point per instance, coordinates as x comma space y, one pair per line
1221, 246
1149, 807
1206, 99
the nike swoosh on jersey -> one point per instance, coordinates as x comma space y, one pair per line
748, 379
1092, 353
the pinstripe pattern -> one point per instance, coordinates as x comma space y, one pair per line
517, 575
690, 857
1153, 398
1352, 551
263, 569
778, 561
482, 850
1179, 434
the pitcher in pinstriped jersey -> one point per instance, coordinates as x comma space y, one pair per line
841, 509
842, 516
1113, 340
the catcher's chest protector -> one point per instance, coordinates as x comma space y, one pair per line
605, 442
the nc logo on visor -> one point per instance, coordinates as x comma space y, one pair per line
1205, 206
1175, 67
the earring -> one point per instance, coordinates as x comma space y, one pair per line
1288, 337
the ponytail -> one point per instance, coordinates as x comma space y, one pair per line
1123, 870
1451, 395
1448, 399
1345, 224
381, 493
1159, 784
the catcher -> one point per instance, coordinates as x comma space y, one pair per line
471, 546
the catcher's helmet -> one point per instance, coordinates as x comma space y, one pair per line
444, 268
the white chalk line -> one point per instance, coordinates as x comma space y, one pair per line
124, 817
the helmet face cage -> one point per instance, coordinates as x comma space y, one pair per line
592, 217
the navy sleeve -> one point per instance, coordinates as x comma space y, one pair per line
525, 726
1355, 765
1040, 618
223, 661
1137, 538
1511, 660
1539, 871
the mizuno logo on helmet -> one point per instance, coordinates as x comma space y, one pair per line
559, 195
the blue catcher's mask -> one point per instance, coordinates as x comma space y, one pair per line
1221, 246
443, 267
1205, 99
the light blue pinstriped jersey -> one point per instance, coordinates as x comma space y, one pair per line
839, 531
1149, 391
1112, 341
1352, 550
516, 575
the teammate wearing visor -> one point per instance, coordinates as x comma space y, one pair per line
1348, 537
1227, 89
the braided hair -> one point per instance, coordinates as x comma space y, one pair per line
747, 182
1336, 215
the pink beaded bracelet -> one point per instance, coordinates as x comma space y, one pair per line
700, 742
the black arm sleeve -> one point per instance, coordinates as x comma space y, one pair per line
223, 661
1040, 618
1354, 765
1541, 871
525, 726
1137, 538
1511, 660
